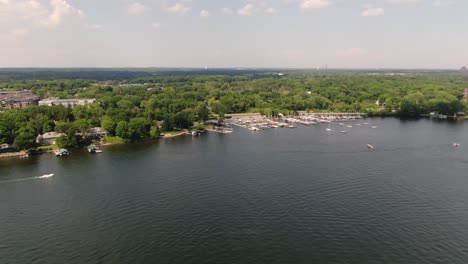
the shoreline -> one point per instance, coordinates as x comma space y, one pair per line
165, 136
12, 154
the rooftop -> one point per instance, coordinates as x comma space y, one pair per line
18, 96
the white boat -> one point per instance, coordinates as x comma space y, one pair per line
349, 126
369, 146
455, 145
344, 132
254, 129
61, 152
329, 129
366, 123
374, 126
46, 176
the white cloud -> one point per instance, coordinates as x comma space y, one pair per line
60, 10
271, 10
314, 4
205, 13
135, 9
441, 3
19, 32
29, 13
156, 25
227, 11
94, 26
373, 12
399, 2
246, 10
178, 8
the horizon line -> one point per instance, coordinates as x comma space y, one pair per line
235, 68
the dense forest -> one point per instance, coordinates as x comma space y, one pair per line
137, 107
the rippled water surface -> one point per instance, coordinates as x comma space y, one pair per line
300, 195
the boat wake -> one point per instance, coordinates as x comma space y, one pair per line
45, 176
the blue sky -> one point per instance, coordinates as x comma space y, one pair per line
236, 33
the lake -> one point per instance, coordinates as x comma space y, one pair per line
302, 195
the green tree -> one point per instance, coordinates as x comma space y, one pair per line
202, 112
154, 132
168, 123
25, 139
108, 124
122, 130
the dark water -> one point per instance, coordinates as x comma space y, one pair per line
278, 196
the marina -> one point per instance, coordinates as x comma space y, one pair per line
257, 122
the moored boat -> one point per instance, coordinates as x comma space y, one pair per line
62, 152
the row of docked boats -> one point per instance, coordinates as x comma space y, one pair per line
65, 152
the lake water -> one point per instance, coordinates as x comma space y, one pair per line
300, 195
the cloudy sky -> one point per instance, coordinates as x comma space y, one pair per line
234, 33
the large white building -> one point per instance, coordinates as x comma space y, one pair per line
71, 103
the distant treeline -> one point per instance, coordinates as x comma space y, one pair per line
177, 101
102, 74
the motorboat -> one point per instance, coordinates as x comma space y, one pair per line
62, 152
45, 176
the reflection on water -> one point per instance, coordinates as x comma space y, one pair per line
304, 195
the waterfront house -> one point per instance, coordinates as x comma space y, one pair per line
49, 138
70, 103
97, 132
17, 99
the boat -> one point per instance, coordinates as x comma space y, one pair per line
369, 146
344, 132
349, 126
25, 156
329, 129
374, 126
45, 176
254, 129
92, 149
194, 133
62, 152
456, 145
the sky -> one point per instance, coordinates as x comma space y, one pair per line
236, 33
